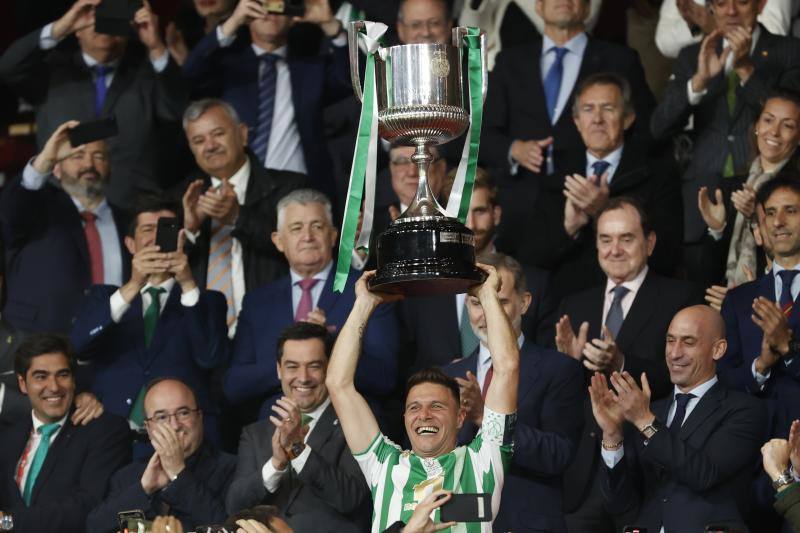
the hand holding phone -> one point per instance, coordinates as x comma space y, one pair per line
467, 508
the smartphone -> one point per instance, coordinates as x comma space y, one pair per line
634, 529
290, 8
467, 508
127, 519
167, 234
113, 17
91, 131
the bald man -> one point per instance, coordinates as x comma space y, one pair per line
685, 461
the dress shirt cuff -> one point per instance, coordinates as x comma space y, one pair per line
340, 40
693, 97
118, 306
513, 166
46, 40
32, 179
612, 458
191, 235
761, 379
716, 234
160, 63
224, 41
271, 477
2, 395
300, 461
190, 298
358, 262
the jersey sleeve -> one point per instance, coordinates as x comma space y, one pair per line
494, 443
375, 457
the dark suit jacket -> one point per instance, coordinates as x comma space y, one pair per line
328, 495
697, 478
642, 339
549, 422
15, 405
145, 103
188, 343
47, 259
254, 226
196, 497
777, 62
73, 477
267, 311
232, 74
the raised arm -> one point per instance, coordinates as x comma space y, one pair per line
358, 422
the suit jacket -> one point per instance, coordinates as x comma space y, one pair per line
15, 405
47, 258
188, 343
232, 74
146, 104
641, 338
698, 478
256, 222
73, 477
267, 311
328, 495
542, 241
549, 422
196, 497
716, 132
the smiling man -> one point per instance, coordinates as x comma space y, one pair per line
298, 459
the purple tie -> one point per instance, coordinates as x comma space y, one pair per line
100, 89
306, 301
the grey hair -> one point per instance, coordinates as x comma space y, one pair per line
199, 107
605, 78
498, 261
304, 197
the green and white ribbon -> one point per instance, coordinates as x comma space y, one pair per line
458, 202
363, 169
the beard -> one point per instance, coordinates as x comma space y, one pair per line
75, 187
516, 325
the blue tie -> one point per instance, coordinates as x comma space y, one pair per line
100, 89
681, 401
614, 318
267, 79
599, 168
552, 81
786, 303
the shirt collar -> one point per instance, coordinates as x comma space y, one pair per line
700, 390
280, 52
322, 275
38, 423
576, 45
485, 358
92, 62
101, 210
316, 413
633, 285
238, 181
777, 268
612, 159
166, 285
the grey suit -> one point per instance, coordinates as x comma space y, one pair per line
328, 495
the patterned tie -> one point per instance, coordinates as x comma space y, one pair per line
552, 81
614, 317
469, 341
100, 89
486, 381
267, 78
599, 168
94, 245
733, 82
219, 276
681, 400
787, 302
46, 431
306, 303
305, 419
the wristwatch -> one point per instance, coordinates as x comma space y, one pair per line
782, 480
294, 450
649, 430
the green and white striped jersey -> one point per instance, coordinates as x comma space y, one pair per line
399, 479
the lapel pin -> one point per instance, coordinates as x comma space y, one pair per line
764, 53
335, 421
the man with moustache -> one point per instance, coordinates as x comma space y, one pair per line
60, 241
298, 459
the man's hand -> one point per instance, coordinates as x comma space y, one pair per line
586, 193
149, 260
709, 63
79, 16
567, 342
169, 446
713, 213
372, 298
633, 401
287, 419
575, 218
602, 355
193, 216
248, 525
166, 524
279, 457
179, 265
176, 44
245, 12
605, 409
740, 41
87, 408
420, 521
146, 22
715, 295
744, 200
770, 318
317, 316
794, 445
154, 478
220, 204
319, 12
696, 15
489, 288
530, 154
775, 457
471, 398
55, 149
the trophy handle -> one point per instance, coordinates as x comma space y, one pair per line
459, 33
353, 29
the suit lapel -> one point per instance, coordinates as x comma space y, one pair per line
85, 98
56, 450
18, 436
323, 428
76, 232
124, 76
707, 405
640, 312
528, 361
632, 171
328, 298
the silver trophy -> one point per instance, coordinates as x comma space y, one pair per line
421, 103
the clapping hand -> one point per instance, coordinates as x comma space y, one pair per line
566, 340
471, 397
713, 213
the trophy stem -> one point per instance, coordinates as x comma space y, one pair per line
425, 203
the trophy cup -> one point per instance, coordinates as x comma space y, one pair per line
420, 103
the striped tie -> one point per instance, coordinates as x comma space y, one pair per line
219, 276
786, 301
267, 78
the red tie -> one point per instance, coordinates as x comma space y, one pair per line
487, 380
306, 302
95, 247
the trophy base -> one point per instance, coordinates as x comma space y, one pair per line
426, 256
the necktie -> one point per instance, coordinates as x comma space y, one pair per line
733, 82
552, 81
151, 314
219, 276
486, 381
306, 303
469, 342
94, 245
599, 168
786, 303
305, 419
614, 317
681, 401
46, 431
100, 89
267, 78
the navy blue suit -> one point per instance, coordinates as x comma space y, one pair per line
47, 259
187, 344
549, 423
267, 311
231, 73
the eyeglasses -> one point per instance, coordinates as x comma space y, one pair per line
430, 24
404, 161
184, 414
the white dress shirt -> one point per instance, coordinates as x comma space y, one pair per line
316, 291
633, 287
272, 477
33, 180
572, 66
33, 444
119, 306
485, 359
612, 159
